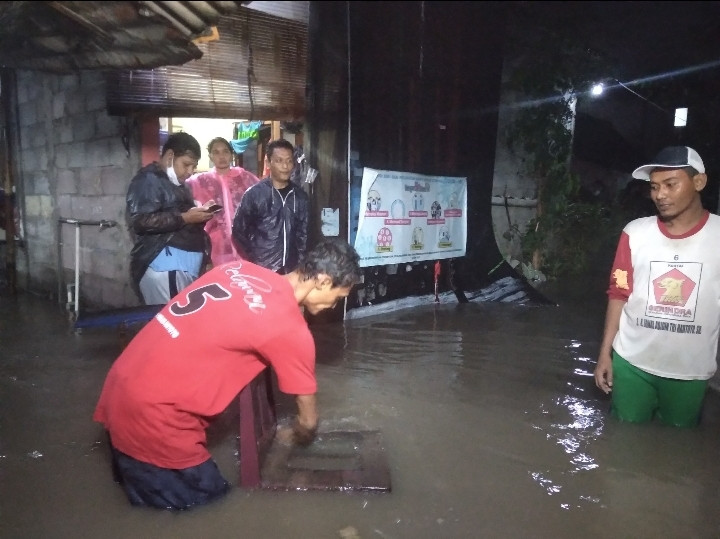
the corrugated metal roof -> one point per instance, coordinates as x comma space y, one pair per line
65, 37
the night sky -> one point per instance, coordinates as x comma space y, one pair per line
644, 38
667, 52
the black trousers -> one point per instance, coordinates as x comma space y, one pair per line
151, 486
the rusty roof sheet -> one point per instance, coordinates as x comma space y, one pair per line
65, 37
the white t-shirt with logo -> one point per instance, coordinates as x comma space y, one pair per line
669, 324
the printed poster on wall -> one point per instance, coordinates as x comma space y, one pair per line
407, 217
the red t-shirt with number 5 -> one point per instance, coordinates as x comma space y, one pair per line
191, 360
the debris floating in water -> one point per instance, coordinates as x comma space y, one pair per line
350, 532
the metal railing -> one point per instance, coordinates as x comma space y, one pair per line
103, 224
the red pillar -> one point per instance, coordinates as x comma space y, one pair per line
149, 140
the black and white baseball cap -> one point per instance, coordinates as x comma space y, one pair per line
671, 157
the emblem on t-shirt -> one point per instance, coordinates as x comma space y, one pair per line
621, 279
674, 290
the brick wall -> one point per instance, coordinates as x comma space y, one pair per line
73, 164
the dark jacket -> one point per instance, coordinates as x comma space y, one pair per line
272, 231
154, 205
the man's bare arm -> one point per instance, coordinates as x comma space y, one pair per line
603, 370
305, 427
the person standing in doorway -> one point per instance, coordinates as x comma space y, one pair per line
271, 224
225, 185
663, 315
171, 245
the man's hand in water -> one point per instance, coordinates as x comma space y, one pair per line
295, 434
303, 435
284, 435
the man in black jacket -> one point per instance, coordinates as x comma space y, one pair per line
171, 246
271, 222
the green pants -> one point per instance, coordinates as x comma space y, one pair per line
638, 396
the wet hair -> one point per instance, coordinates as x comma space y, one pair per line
182, 144
335, 258
221, 140
279, 143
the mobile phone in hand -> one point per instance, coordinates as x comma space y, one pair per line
214, 208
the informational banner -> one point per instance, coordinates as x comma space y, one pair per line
407, 217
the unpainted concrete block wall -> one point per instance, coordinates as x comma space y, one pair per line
512, 183
514, 192
73, 164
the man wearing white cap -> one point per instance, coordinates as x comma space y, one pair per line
661, 327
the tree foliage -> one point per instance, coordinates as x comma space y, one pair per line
550, 64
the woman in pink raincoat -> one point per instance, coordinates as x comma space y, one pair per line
224, 184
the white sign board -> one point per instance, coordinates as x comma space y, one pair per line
407, 217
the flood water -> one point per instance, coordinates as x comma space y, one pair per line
491, 422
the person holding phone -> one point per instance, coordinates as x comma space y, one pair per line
171, 246
219, 190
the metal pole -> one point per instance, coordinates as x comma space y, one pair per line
60, 276
349, 134
8, 93
77, 268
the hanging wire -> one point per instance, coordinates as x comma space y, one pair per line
251, 67
422, 32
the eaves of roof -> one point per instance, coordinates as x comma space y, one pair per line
65, 37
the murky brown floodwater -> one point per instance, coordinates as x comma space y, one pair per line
492, 424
